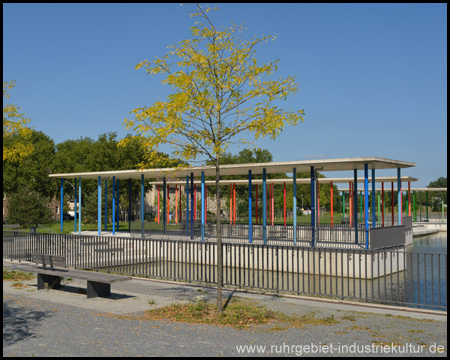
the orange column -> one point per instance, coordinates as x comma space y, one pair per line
231, 204
234, 204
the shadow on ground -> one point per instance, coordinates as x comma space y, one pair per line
20, 323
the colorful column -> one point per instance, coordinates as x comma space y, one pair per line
374, 218
355, 202
117, 204
192, 206
294, 202
164, 205
142, 206
284, 204
202, 205
99, 213
114, 206
366, 203
79, 205
106, 204
129, 205
264, 208
313, 211
250, 193
61, 207
392, 202
399, 197
75, 210
382, 203
187, 204
331, 202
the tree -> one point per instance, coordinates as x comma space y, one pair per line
29, 208
16, 134
32, 172
219, 92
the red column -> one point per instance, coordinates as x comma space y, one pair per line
158, 205
392, 202
168, 203
331, 189
176, 204
382, 202
231, 204
409, 198
195, 202
284, 202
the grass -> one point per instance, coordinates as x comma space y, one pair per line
17, 276
238, 313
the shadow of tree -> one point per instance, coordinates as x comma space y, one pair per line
20, 322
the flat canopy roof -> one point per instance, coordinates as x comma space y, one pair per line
242, 169
289, 181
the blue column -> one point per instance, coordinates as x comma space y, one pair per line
106, 204
399, 197
203, 206
117, 205
164, 205
264, 207
250, 226
79, 205
192, 206
313, 210
142, 206
99, 214
61, 207
374, 219
75, 208
366, 203
294, 203
114, 206
187, 205
355, 200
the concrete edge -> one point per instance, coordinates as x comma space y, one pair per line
312, 300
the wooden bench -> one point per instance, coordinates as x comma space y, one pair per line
53, 269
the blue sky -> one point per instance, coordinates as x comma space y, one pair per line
373, 77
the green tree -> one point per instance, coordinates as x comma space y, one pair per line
32, 172
29, 208
220, 92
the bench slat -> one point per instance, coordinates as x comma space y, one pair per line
51, 260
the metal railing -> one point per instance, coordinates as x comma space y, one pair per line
390, 276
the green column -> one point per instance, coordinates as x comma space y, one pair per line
426, 203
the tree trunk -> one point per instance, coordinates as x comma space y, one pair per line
219, 242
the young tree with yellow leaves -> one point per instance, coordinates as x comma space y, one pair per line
219, 92
16, 136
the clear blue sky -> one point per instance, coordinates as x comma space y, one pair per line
373, 78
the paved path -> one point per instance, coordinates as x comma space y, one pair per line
66, 323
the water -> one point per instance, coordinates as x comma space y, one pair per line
427, 271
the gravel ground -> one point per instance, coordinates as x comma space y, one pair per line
65, 323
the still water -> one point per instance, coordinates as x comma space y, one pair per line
427, 271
